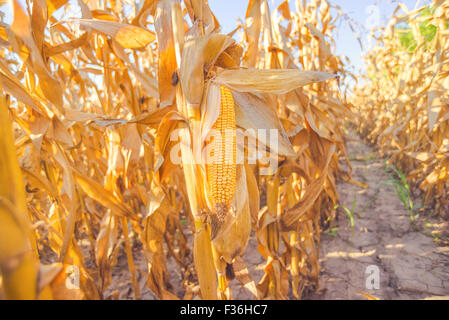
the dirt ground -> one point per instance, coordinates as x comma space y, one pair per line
412, 259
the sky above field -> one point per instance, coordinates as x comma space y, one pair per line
364, 14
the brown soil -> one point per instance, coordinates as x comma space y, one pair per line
413, 258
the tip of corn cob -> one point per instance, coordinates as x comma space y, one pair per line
218, 218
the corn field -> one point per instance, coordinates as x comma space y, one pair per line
404, 102
140, 130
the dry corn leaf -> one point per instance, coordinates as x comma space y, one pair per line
276, 81
128, 36
18, 263
103, 196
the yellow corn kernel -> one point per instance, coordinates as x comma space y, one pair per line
221, 171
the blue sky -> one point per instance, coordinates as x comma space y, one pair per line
362, 12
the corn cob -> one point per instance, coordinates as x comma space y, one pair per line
221, 170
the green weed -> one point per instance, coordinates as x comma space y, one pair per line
399, 181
